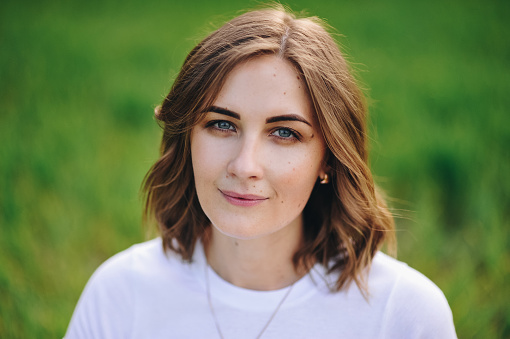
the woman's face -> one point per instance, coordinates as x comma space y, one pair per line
258, 151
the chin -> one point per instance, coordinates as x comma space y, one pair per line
240, 232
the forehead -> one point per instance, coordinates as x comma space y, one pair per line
265, 84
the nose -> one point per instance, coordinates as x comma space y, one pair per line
246, 161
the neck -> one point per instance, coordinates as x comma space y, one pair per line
263, 263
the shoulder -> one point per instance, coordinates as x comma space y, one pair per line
136, 258
400, 278
412, 303
126, 267
109, 297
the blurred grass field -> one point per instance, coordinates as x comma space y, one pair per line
79, 82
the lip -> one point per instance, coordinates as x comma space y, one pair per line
245, 200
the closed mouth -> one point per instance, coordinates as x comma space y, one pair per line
242, 196
244, 200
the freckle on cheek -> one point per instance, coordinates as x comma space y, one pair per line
282, 201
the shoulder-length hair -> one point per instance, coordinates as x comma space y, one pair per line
346, 221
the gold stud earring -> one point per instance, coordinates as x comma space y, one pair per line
325, 180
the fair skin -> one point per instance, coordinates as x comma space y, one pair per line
257, 154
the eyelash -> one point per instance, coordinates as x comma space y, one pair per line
294, 134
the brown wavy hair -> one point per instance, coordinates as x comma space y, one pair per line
346, 221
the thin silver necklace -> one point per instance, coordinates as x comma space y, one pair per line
208, 289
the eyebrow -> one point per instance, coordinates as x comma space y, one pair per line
223, 111
286, 117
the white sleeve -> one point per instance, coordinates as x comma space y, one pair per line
417, 308
105, 306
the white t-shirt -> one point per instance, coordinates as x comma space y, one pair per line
144, 292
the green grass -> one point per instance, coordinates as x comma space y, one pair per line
78, 85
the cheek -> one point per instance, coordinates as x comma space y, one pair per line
298, 179
205, 156
203, 162
201, 158
302, 167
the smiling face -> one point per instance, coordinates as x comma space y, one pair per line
258, 151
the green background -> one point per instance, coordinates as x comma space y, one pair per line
78, 84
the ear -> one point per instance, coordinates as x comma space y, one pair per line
157, 112
324, 176
325, 168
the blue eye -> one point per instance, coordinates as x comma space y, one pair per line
284, 133
224, 125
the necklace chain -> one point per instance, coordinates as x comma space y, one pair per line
208, 289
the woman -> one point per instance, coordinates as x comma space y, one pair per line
269, 218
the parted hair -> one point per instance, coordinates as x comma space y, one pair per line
345, 221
